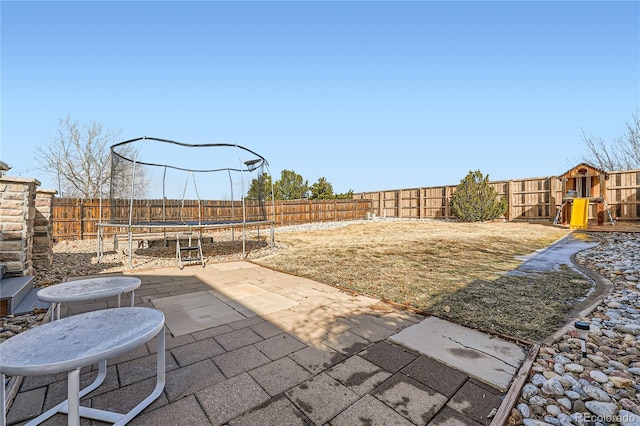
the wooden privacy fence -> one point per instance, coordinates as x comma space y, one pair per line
533, 199
76, 219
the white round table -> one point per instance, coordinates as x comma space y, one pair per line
77, 341
88, 289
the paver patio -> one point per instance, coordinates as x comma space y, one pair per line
246, 345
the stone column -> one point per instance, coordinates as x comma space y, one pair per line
17, 214
43, 229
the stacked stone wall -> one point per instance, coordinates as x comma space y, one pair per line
17, 217
43, 229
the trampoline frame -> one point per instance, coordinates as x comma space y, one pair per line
184, 227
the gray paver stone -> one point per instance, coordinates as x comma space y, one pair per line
211, 332
390, 357
124, 399
138, 352
475, 401
241, 360
185, 411
278, 346
436, 375
58, 391
411, 399
237, 339
279, 411
449, 417
266, 329
194, 352
317, 358
192, 378
347, 343
170, 342
371, 412
33, 382
27, 405
280, 375
142, 368
237, 325
372, 331
358, 374
226, 400
321, 398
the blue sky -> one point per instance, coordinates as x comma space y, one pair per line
369, 95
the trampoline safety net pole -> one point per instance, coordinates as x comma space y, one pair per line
130, 229
233, 216
164, 206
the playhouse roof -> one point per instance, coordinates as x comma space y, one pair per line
583, 169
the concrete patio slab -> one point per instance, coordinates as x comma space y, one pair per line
489, 359
186, 313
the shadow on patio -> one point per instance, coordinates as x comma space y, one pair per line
249, 345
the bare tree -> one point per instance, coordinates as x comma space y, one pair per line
623, 153
78, 157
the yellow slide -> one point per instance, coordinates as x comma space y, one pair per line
579, 213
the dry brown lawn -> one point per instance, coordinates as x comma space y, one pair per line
454, 270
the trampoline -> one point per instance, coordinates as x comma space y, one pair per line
174, 190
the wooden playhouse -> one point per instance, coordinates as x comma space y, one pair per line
583, 197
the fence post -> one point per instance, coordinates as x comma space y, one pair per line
447, 207
510, 201
282, 213
81, 220
552, 200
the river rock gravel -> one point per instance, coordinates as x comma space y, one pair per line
602, 388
